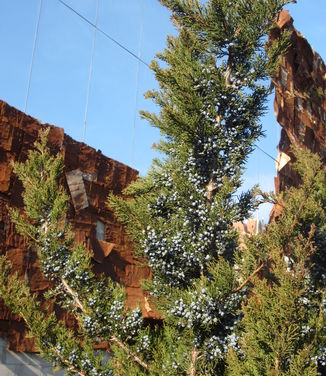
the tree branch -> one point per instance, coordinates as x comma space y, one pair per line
129, 352
210, 189
194, 357
73, 295
257, 270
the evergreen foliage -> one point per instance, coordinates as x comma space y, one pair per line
211, 97
225, 310
96, 304
283, 330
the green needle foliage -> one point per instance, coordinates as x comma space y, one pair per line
211, 96
96, 304
283, 330
218, 317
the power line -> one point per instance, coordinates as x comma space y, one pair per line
90, 71
127, 50
104, 33
33, 55
258, 147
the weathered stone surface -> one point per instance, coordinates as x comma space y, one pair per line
91, 176
300, 101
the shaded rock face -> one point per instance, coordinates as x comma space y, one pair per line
89, 177
300, 101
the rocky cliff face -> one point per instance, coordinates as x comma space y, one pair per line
300, 101
89, 177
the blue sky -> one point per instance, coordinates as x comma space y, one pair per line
59, 79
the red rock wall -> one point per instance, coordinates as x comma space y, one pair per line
300, 99
97, 175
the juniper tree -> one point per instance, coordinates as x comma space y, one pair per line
211, 97
283, 331
96, 304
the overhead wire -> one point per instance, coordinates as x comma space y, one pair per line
140, 44
103, 33
258, 147
33, 55
136, 56
90, 70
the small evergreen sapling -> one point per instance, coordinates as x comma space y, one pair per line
180, 215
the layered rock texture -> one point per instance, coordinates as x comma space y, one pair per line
89, 177
300, 101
